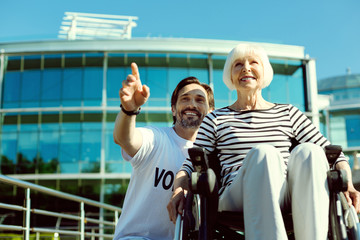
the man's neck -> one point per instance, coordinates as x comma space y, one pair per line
186, 133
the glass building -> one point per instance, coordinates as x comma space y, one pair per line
59, 100
342, 116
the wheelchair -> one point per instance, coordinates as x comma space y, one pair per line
201, 220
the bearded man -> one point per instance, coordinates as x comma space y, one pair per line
156, 154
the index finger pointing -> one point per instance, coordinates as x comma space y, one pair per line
135, 71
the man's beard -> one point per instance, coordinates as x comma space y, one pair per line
190, 122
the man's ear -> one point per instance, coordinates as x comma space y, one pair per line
173, 110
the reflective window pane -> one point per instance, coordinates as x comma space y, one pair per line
93, 85
115, 76
32, 62
30, 91
91, 145
29, 122
50, 121
69, 151
27, 152
201, 74
51, 87
49, 149
175, 76
14, 63
90, 151
8, 152
297, 97
52, 61
278, 89
73, 60
223, 96
156, 80
11, 89
72, 87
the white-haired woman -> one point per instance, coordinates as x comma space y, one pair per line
259, 175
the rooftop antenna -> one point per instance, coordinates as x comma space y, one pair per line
92, 26
348, 71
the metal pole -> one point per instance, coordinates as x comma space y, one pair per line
103, 140
82, 224
356, 161
101, 211
116, 217
27, 214
93, 231
2, 72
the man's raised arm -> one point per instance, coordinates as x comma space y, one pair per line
132, 96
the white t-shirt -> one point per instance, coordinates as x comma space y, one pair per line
155, 165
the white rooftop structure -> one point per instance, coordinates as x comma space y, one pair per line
91, 26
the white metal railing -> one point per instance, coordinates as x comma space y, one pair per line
82, 233
96, 26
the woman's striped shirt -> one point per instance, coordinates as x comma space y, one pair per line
234, 133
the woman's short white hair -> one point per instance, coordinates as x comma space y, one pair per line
240, 51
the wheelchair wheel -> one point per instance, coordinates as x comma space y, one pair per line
191, 218
337, 228
351, 219
343, 220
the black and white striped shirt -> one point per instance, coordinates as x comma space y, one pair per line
234, 133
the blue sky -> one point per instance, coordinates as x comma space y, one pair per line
328, 29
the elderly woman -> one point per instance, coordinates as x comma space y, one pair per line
259, 175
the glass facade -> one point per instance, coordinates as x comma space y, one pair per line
343, 114
58, 109
70, 141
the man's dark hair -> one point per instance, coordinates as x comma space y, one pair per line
187, 81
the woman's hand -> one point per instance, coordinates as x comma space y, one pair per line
352, 195
353, 198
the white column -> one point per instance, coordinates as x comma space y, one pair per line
211, 71
312, 91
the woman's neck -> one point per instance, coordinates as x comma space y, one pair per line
251, 102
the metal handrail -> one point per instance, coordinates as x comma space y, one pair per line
49, 191
81, 217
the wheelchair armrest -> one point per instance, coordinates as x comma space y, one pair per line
337, 180
198, 157
332, 152
203, 180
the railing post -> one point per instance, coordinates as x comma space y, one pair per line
116, 217
82, 226
27, 214
92, 231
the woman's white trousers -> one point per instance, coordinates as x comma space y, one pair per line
262, 190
